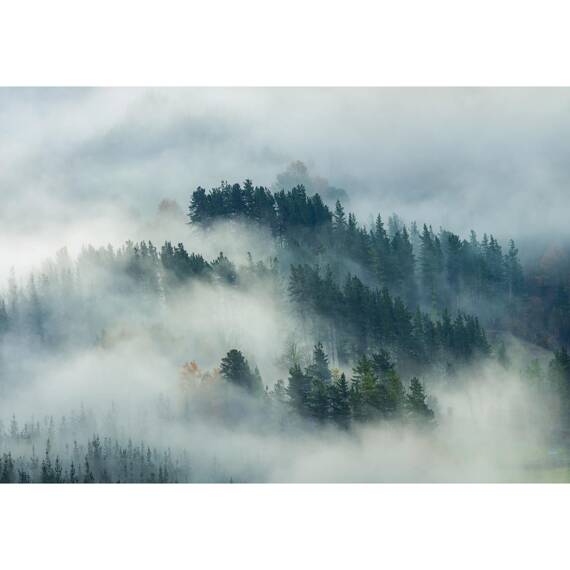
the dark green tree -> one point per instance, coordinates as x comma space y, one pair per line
318, 402
319, 368
416, 408
235, 369
340, 402
299, 385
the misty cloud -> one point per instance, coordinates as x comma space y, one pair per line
492, 157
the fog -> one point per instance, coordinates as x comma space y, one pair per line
93, 167
133, 383
481, 158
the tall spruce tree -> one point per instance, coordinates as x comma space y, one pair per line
417, 409
319, 368
340, 402
299, 385
318, 402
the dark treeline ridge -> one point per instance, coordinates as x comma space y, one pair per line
435, 270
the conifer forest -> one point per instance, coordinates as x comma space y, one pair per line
278, 329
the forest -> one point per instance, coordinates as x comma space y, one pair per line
345, 327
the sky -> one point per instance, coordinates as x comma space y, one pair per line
85, 165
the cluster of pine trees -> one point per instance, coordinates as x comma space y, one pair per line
435, 270
53, 308
374, 392
356, 319
103, 462
352, 319
30, 456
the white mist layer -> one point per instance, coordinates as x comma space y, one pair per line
490, 427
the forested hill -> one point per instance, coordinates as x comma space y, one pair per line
427, 297
440, 272
343, 326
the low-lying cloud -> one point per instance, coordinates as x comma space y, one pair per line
482, 158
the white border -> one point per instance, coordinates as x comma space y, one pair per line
285, 526
294, 42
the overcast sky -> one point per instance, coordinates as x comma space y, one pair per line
495, 160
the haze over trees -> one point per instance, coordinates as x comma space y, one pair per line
381, 315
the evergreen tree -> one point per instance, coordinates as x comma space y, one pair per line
373, 394
318, 403
356, 401
7, 469
298, 389
339, 218
395, 394
198, 211
340, 402
513, 271
416, 407
319, 369
224, 269
559, 377
4, 320
235, 369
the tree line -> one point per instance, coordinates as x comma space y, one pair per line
374, 392
435, 270
356, 319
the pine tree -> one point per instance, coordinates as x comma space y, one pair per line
88, 475
257, 381
513, 271
298, 389
340, 402
319, 369
7, 471
381, 254
416, 407
318, 403
373, 394
339, 218
381, 363
4, 320
198, 211
224, 269
235, 369
72, 474
396, 394
559, 378
356, 401
48, 475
